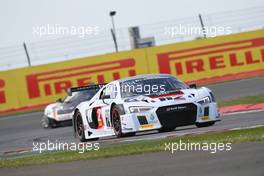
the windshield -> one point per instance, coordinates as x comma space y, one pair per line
81, 96
150, 86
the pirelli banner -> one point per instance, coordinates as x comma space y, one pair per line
203, 61
211, 60
39, 85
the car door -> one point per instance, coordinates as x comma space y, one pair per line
100, 112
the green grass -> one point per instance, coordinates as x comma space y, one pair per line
243, 100
237, 136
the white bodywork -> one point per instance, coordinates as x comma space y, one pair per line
130, 121
51, 112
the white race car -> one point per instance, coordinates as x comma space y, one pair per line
60, 113
145, 102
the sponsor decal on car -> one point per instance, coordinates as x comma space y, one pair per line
205, 118
152, 119
176, 108
147, 126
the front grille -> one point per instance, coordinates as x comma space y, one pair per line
177, 115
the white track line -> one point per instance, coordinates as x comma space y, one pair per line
242, 112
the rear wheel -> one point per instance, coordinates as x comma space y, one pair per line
116, 122
205, 124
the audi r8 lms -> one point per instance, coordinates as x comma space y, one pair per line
60, 113
145, 102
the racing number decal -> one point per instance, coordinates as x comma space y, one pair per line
99, 117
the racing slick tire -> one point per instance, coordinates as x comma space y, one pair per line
48, 122
205, 124
115, 117
79, 128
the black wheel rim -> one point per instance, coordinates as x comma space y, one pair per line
79, 126
116, 121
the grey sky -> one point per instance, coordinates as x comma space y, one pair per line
18, 17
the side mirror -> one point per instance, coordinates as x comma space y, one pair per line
59, 100
106, 97
193, 86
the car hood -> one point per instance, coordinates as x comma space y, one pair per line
180, 96
52, 106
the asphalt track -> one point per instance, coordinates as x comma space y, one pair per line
243, 159
19, 132
239, 88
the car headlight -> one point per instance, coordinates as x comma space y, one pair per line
135, 109
204, 100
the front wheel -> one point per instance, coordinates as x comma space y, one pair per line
205, 124
116, 123
79, 128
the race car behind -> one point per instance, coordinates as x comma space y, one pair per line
60, 112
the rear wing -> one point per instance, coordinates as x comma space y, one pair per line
78, 89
